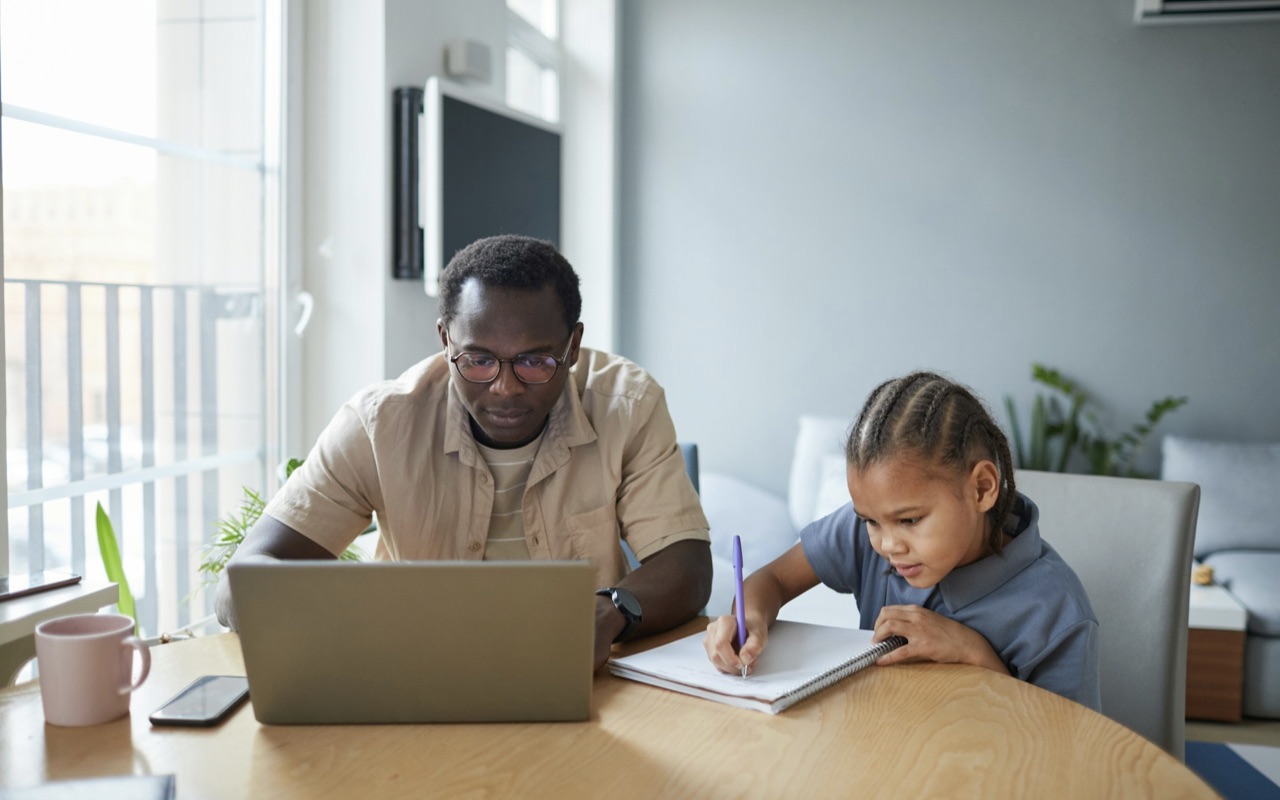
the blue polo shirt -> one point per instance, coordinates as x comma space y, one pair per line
1027, 602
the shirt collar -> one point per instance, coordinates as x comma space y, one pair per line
567, 425
972, 582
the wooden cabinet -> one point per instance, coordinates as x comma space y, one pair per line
1215, 674
1215, 655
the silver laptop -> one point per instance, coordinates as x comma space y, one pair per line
440, 641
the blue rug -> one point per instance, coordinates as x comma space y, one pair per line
1237, 771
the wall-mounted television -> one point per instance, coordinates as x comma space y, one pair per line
484, 169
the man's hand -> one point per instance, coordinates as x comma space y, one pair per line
672, 587
609, 623
272, 539
933, 637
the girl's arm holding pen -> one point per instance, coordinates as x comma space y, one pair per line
766, 590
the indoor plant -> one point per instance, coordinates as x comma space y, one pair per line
1065, 433
234, 527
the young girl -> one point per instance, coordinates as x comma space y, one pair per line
938, 547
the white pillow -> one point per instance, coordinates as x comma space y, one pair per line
1239, 491
819, 436
833, 486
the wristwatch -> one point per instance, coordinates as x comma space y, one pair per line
628, 606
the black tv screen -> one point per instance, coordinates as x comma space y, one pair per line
486, 170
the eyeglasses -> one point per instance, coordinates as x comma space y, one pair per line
530, 368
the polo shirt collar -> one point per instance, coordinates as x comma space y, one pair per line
972, 582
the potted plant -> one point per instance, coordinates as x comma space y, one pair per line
234, 527
1064, 422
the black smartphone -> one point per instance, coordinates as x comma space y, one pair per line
12, 586
207, 701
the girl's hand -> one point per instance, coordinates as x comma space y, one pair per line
721, 634
933, 637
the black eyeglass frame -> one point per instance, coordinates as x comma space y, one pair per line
512, 361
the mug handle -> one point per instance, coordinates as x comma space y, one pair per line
141, 647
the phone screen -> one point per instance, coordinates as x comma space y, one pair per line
204, 702
12, 586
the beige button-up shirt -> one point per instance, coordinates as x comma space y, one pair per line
608, 469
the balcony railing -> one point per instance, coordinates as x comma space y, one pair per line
147, 398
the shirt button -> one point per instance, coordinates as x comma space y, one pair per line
474, 547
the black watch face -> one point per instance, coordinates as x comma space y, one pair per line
627, 602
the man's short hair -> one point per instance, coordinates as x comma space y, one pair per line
512, 262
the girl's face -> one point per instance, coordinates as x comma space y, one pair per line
925, 522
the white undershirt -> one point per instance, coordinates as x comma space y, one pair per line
510, 470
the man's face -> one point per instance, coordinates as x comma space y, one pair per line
505, 323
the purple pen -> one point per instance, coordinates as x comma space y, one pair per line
737, 596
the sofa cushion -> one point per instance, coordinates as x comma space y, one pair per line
1250, 575
819, 436
1239, 491
734, 506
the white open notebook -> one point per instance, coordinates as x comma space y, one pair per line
800, 660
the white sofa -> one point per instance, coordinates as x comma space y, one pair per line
769, 524
1238, 534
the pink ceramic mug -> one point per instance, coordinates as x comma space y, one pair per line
86, 667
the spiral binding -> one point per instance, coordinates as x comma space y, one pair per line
842, 671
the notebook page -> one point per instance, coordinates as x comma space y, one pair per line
797, 652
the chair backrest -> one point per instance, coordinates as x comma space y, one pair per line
1130, 542
690, 452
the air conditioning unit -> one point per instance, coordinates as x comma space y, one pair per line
1161, 11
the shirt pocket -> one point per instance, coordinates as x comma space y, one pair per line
593, 536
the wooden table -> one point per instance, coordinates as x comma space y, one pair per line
922, 730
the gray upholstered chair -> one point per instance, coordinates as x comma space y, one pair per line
1130, 542
690, 452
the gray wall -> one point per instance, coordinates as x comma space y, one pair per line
368, 326
817, 196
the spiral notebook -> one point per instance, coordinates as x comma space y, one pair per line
801, 660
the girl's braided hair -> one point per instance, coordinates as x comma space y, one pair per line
940, 421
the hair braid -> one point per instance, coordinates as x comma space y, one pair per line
884, 411
928, 427
941, 421
1000, 512
864, 429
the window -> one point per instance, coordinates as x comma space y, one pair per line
533, 58
140, 243
543, 15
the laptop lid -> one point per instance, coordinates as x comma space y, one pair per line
441, 641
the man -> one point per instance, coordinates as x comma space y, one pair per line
514, 443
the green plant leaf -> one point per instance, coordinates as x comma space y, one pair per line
1130, 444
1070, 432
234, 527
1019, 455
113, 565
1039, 459
1056, 432
231, 532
